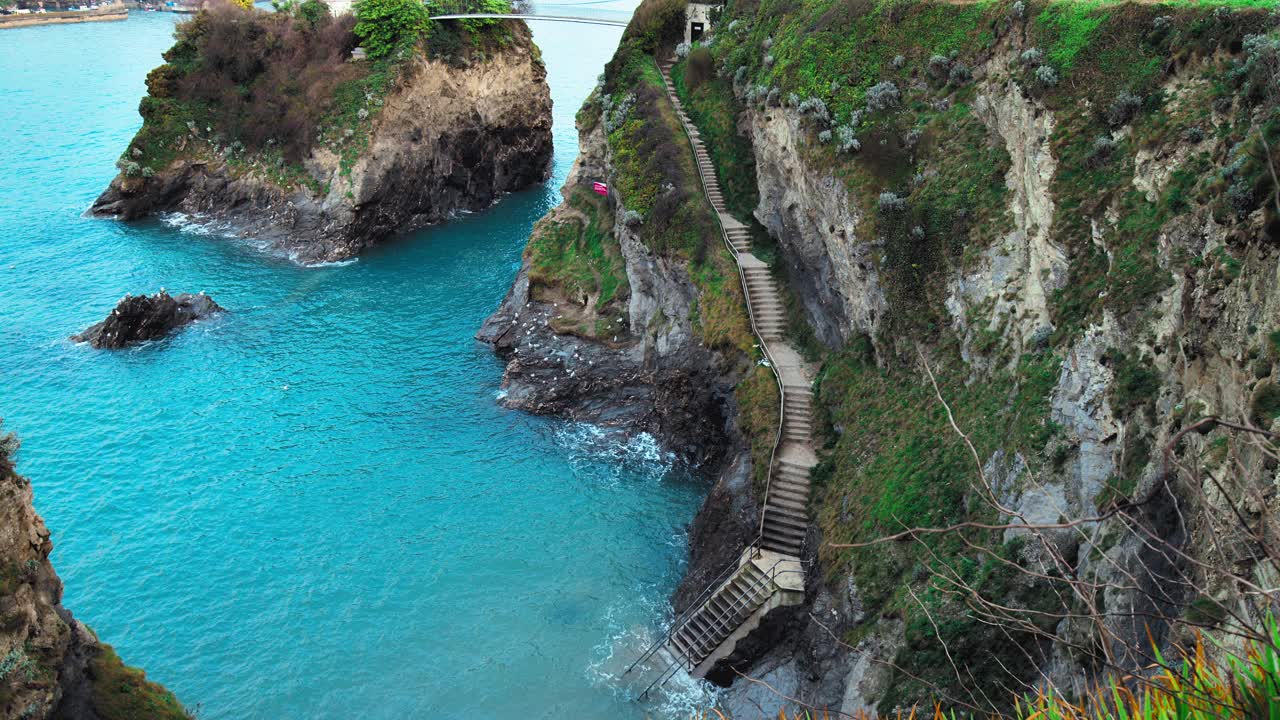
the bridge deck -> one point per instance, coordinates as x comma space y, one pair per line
552, 18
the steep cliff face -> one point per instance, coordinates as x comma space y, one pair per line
51, 665
402, 145
627, 310
1033, 247
1068, 217
632, 361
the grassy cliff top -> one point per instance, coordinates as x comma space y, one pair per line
264, 89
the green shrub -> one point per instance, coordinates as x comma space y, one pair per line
698, 68
388, 26
1136, 383
262, 79
124, 693
656, 24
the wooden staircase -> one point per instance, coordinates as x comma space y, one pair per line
770, 573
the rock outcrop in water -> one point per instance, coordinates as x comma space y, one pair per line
51, 665
139, 318
424, 137
632, 374
1080, 250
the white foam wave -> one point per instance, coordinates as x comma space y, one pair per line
328, 264
197, 224
201, 224
614, 665
609, 454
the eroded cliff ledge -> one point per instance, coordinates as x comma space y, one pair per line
347, 154
627, 310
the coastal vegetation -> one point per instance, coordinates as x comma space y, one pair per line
655, 177
1243, 686
265, 90
121, 692
908, 105
578, 260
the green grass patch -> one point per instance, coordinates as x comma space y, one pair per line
124, 693
579, 256
714, 110
897, 463
758, 414
720, 315
576, 259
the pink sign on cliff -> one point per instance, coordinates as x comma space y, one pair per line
600, 188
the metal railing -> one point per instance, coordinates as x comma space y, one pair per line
746, 292
571, 12
712, 588
677, 658
749, 599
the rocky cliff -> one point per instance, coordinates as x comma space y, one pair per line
1062, 223
627, 311
1033, 247
51, 665
370, 149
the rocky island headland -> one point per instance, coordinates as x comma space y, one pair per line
265, 124
139, 318
1029, 249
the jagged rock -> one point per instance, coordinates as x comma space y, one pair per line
653, 376
139, 318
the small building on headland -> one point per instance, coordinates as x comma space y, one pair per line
339, 7
698, 16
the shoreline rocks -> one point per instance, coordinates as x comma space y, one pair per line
139, 318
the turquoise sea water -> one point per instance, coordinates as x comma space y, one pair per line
311, 507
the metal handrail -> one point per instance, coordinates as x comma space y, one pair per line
712, 588
746, 293
719, 621
767, 577
754, 546
686, 659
